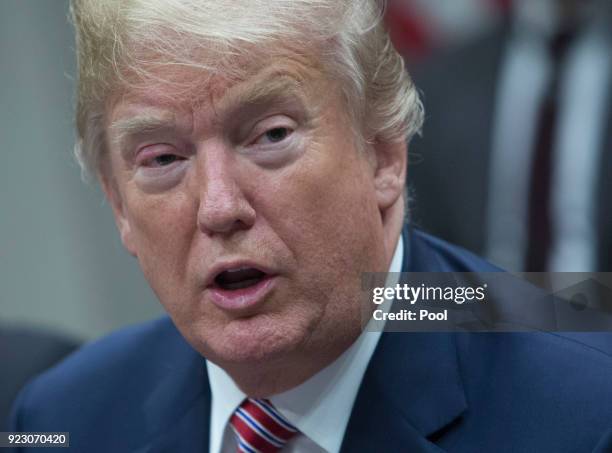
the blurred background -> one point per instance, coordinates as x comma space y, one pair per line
62, 265
514, 162
64, 277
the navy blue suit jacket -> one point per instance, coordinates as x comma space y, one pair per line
145, 389
25, 353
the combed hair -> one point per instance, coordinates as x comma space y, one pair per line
129, 44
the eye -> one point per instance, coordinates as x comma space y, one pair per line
274, 135
277, 134
164, 159
157, 156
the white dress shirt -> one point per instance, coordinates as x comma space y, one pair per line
320, 407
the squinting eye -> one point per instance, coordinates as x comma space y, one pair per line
164, 159
158, 156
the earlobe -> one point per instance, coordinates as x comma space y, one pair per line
123, 225
390, 173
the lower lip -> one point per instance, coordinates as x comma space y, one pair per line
240, 299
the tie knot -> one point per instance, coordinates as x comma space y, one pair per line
260, 428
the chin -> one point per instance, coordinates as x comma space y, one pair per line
253, 341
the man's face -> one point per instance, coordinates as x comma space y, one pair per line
252, 213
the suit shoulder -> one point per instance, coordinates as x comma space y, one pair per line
448, 257
121, 365
119, 392
118, 350
567, 368
548, 391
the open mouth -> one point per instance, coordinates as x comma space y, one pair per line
233, 279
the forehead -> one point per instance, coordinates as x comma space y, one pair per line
248, 83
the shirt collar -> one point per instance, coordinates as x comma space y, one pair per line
328, 395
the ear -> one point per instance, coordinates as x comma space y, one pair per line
123, 225
390, 173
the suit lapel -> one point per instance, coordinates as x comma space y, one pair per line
412, 388
411, 391
178, 410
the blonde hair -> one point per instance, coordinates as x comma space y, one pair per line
131, 43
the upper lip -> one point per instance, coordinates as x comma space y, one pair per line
223, 266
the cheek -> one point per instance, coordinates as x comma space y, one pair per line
334, 195
161, 229
325, 211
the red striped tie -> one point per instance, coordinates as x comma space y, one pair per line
260, 428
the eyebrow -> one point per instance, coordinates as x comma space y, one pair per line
125, 128
269, 89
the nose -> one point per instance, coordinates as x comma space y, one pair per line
223, 206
